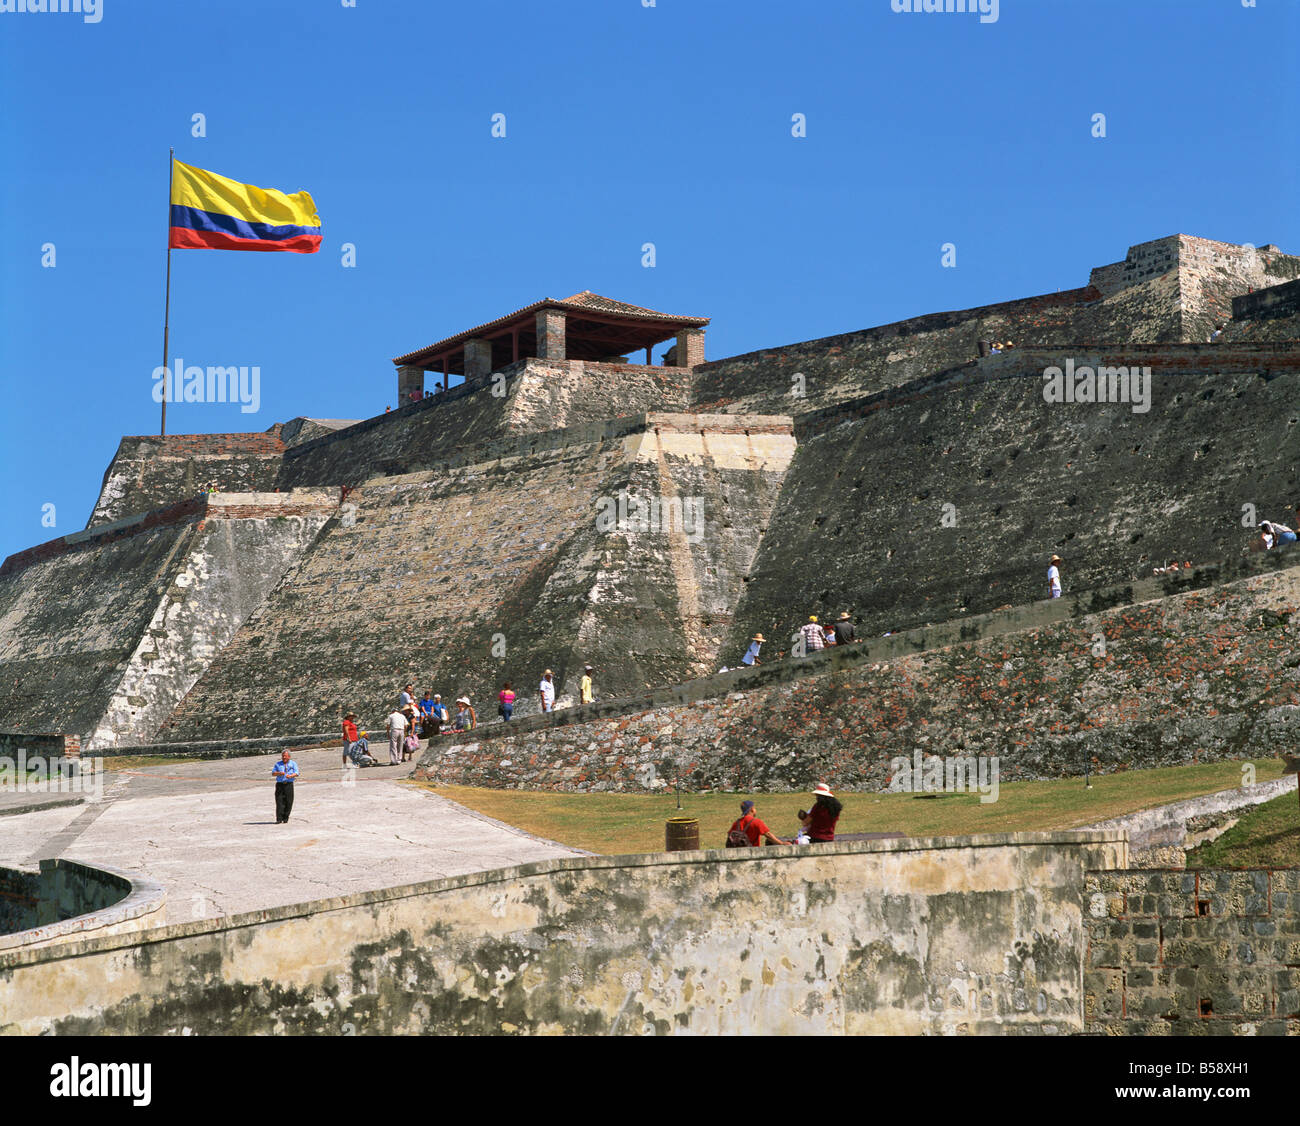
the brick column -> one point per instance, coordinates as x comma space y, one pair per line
409, 379
550, 335
690, 347
478, 358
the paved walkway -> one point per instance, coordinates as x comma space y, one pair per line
207, 832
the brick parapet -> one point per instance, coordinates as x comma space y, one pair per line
194, 510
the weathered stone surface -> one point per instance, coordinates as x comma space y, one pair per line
1185, 678
970, 935
102, 632
1211, 964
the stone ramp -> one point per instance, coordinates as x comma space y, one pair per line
207, 833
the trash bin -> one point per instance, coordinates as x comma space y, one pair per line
681, 834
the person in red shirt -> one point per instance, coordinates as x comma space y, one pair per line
819, 822
753, 828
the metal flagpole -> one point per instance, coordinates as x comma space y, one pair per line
167, 314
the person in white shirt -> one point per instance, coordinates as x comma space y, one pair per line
1054, 577
547, 691
396, 730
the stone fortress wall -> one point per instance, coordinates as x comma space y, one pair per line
470, 516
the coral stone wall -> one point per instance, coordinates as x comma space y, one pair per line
1191, 953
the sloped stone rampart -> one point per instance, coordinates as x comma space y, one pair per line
948, 496
1207, 674
493, 567
102, 632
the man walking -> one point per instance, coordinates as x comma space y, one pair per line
844, 632
547, 691
1054, 577
814, 640
585, 689
396, 730
284, 772
751, 654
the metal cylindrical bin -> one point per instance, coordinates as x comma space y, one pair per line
681, 834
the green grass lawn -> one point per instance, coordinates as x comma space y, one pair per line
611, 824
1266, 837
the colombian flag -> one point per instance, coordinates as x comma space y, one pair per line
216, 213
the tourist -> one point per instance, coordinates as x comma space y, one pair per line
751, 654
748, 831
1054, 577
828, 636
354, 745
819, 822
547, 691
407, 698
396, 733
844, 632
411, 744
584, 689
284, 772
506, 707
465, 719
426, 708
1282, 535
813, 639
439, 713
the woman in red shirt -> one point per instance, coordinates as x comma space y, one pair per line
819, 822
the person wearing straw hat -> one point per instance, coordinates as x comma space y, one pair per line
1054, 577
819, 821
465, 719
547, 691
844, 632
751, 654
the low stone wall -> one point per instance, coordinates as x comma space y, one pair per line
1212, 952
44, 745
1158, 838
965, 935
67, 900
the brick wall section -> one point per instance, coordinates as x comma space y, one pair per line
1184, 953
539, 396
231, 506
1192, 677
150, 472
859, 523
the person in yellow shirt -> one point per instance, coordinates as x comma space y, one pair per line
585, 687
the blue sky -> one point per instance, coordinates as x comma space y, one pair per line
625, 124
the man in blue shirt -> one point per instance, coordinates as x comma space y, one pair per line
284, 772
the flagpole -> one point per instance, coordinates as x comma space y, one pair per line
167, 313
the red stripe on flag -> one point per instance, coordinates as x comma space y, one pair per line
182, 238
